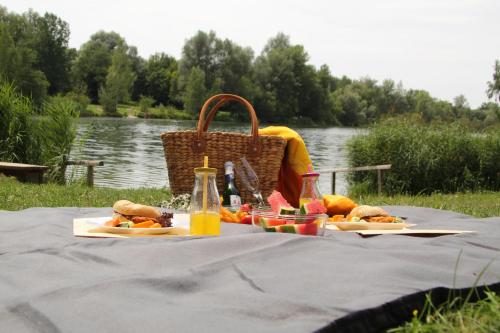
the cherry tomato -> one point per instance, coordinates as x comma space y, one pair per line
245, 208
246, 220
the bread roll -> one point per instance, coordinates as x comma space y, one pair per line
365, 210
125, 207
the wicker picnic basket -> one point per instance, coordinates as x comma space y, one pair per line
184, 151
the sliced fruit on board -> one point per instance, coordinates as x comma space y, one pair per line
313, 207
278, 203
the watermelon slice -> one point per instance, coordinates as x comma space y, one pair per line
285, 210
307, 229
269, 222
279, 204
314, 207
302, 229
289, 228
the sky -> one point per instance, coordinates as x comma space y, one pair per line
447, 47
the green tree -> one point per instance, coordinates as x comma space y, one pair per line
227, 66
145, 102
94, 58
275, 80
160, 75
491, 111
460, 107
50, 42
289, 88
494, 86
423, 104
348, 106
235, 68
139, 86
119, 81
201, 51
17, 65
195, 91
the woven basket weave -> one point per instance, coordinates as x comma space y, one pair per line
184, 151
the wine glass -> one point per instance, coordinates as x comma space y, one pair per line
249, 179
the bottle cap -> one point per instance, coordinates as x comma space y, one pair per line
311, 174
228, 168
207, 170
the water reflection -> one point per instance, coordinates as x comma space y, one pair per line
133, 157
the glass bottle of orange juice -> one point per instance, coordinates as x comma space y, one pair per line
310, 188
205, 208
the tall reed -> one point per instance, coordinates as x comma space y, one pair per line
32, 136
59, 125
17, 127
427, 158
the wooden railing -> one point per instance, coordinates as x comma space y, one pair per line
24, 172
34, 173
378, 168
90, 168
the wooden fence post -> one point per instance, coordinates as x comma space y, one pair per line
379, 181
90, 169
333, 182
379, 169
90, 175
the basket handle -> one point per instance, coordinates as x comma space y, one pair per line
212, 112
203, 122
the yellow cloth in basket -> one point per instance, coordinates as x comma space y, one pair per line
294, 163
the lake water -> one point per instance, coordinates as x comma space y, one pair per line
133, 156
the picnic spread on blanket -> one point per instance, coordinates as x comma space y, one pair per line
259, 249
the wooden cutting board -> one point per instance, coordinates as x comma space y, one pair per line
413, 232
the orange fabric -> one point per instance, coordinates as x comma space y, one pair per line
294, 163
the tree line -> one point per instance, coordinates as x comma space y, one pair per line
280, 81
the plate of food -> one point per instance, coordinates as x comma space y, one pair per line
132, 218
368, 218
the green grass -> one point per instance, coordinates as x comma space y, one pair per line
125, 110
165, 112
132, 110
479, 204
93, 110
482, 316
17, 196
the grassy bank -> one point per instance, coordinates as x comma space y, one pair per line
123, 110
479, 204
161, 112
17, 196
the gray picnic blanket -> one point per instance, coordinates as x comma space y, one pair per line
51, 281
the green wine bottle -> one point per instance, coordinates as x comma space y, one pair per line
231, 194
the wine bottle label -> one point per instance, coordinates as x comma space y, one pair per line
235, 201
